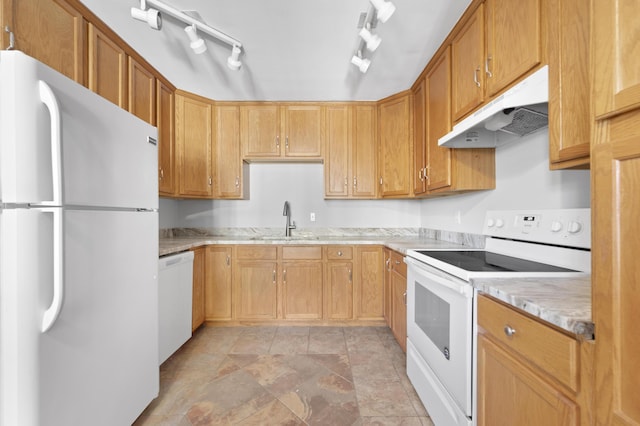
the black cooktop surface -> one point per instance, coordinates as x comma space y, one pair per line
478, 261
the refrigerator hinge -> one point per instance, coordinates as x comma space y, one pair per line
12, 39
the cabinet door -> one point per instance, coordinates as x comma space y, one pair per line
419, 138
336, 158
369, 294
255, 290
166, 141
438, 122
302, 290
227, 156
467, 57
218, 284
303, 128
616, 289
514, 44
193, 141
395, 147
364, 150
616, 83
399, 307
142, 92
198, 295
51, 31
260, 130
511, 394
107, 65
339, 290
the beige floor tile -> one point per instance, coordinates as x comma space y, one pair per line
329, 343
290, 343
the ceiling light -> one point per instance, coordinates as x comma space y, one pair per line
372, 40
360, 62
150, 16
233, 61
197, 44
384, 9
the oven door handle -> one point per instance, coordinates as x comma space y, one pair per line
452, 283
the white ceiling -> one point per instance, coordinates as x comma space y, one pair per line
292, 49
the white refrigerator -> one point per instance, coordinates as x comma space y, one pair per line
78, 253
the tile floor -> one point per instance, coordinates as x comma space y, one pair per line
286, 376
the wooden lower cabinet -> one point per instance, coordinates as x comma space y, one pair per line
534, 376
218, 283
256, 290
398, 296
369, 291
302, 290
198, 294
338, 283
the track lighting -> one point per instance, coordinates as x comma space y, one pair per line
372, 40
233, 61
384, 9
150, 16
360, 62
197, 44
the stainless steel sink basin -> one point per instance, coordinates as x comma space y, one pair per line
283, 238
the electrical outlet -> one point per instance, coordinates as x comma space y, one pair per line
312, 217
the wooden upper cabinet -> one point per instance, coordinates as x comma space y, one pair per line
51, 31
193, 145
107, 66
419, 138
468, 62
568, 50
616, 57
142, 92
395, 146
337, 168
166, 140
364, 150
272, 130
260, 130
303, 130
514, 46
228, 173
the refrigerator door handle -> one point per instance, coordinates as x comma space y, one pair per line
51, 314
49, 99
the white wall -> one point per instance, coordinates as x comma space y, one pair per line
523, 181
303, 186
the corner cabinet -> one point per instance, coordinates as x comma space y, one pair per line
395, 129
615, 193
282, 131
193, 124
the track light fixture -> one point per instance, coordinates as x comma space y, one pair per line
360, 62
372, 40
197, 44
152, 16
384, 9
233, 61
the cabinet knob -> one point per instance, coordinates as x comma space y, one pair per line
340, 253
237, 181
509, 331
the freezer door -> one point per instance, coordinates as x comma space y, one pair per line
108, 157
98, 363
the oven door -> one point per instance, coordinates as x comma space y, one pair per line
440, 330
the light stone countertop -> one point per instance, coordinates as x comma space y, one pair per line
564, 302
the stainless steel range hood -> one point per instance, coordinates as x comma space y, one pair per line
519, 111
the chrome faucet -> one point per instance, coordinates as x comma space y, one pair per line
287, 212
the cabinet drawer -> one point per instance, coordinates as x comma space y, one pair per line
257, 252
397, 263
302, 252
339, 252
551, 350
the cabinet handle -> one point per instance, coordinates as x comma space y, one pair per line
237, 181
274, 276
161, 173
380, 180
350, 275
210, 181
397, 262
278, 141
475, 76
355, 182
404, 298
426, 173
284, 276
345, 182
12, 39
509, 331
228, 260
486, 66
286, 142
388, 263
421, 175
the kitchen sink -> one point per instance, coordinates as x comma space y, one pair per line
284, 238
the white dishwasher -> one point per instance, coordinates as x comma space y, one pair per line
175, 287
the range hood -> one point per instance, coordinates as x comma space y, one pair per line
519, 111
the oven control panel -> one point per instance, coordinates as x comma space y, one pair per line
565, 227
